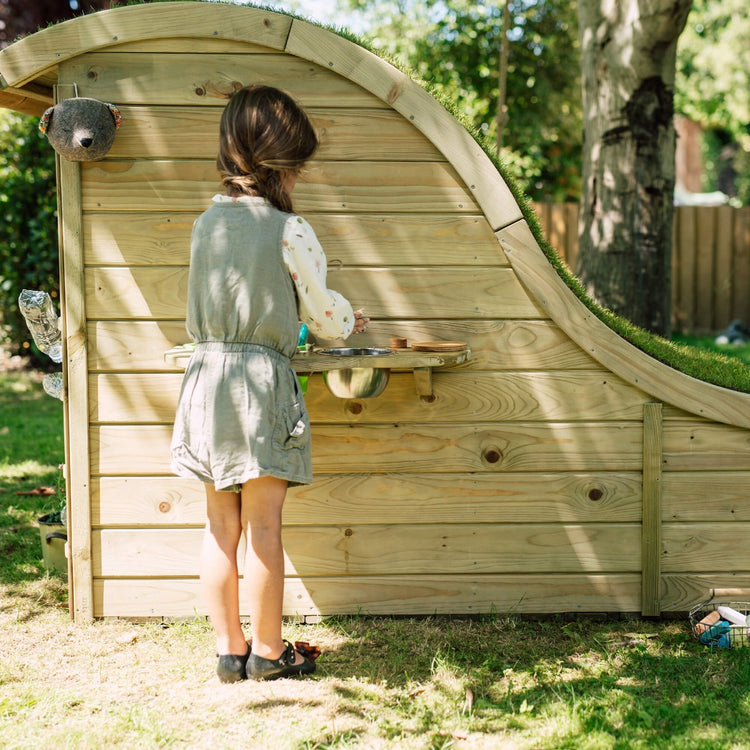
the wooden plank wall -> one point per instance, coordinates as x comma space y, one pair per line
517, 487
710, 261
705, 510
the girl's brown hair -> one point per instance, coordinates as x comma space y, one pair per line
263, 135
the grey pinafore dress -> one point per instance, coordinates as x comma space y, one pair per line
241, 414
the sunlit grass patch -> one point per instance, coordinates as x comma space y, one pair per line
29, 469
473, 683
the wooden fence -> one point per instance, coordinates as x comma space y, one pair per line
710, 261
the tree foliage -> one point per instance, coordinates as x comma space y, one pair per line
28, 201
713, 66
455, 46
28, 223
713, 86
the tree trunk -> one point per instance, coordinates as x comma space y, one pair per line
625, 227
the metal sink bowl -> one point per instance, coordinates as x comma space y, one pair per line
356, 382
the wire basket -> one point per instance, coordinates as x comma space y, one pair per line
717, 622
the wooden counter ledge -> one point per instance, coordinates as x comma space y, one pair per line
422, 363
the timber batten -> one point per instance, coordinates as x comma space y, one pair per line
558, 470
651, 524
75, 347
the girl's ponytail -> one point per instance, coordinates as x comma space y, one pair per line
264, 134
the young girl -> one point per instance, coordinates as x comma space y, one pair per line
256, 270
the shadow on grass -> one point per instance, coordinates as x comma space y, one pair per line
621, 684
691, 699
20, 540
29, 600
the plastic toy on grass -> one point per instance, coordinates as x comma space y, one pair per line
721, 624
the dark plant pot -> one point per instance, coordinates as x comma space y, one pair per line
54, 540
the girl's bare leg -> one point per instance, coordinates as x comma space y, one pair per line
262, 502
219, 574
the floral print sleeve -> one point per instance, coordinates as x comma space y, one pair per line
327, 314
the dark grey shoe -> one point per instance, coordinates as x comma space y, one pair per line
258, 668
231, 668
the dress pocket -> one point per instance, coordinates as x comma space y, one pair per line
292, 429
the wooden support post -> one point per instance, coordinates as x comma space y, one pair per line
423, 380
77, 458
651, 518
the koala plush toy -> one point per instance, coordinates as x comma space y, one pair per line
81, 129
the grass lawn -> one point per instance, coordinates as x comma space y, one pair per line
707, 343
31, 449
495, 681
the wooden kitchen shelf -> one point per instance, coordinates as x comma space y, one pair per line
421, 363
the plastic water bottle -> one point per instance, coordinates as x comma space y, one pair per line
41, 318
302, 338
52, 383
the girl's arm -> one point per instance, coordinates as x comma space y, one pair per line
327, 313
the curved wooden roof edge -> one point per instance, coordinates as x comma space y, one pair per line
28, 58
615, 353
31, 56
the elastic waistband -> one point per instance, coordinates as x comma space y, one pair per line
238, 347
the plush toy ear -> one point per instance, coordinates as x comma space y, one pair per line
116, 114
45, 119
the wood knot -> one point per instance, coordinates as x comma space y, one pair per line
595, 494
76, 341
355, 407
394, 93
348, 532
492, 455
164, 506
218, 91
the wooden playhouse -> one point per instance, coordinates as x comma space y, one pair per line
559, 469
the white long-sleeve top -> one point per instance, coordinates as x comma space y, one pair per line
327, 313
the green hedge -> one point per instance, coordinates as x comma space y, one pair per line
28, 225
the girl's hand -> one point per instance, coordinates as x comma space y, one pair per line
360, 322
